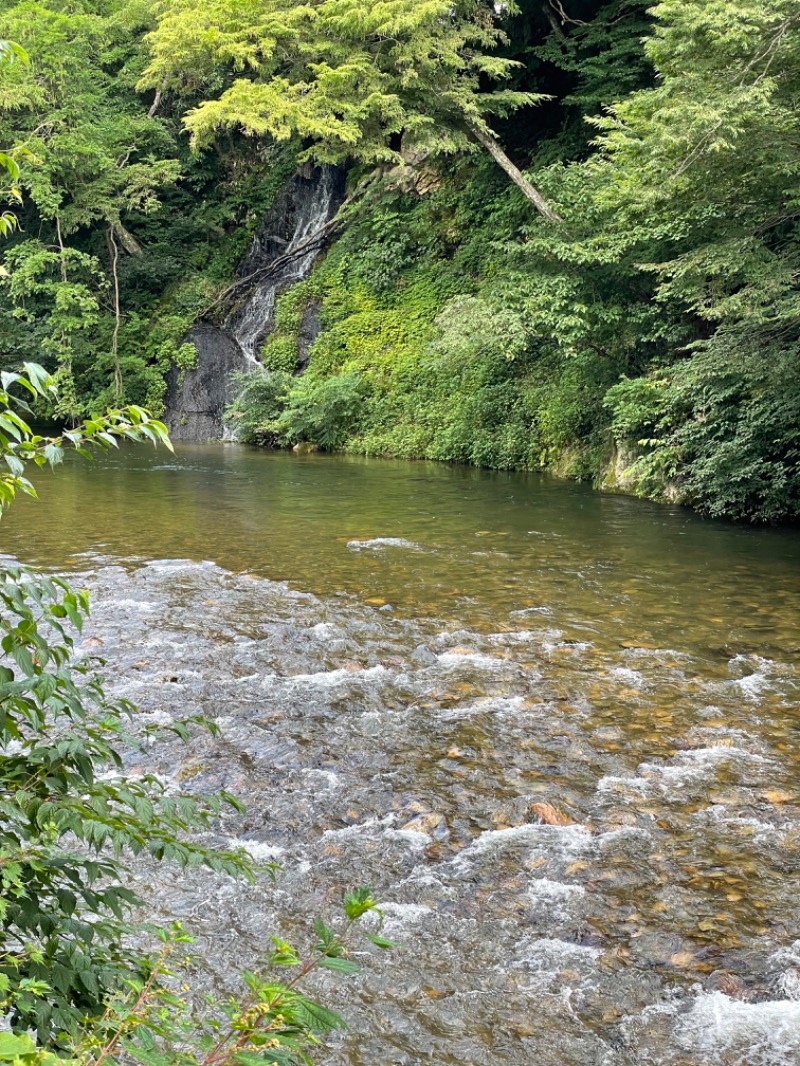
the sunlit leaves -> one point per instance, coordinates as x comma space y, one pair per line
342, 74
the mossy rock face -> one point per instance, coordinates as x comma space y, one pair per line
620, 474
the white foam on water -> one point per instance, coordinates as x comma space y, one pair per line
545, 888
759, 830
570, 839
518, 636
548, 955
741, 1034
786, 965
699, 763
403, 914
131, 604
353, 830
415, 837
476, 658
330, 678
554, 897
614, 837
245, 679
379, 543
165, 565
688, 768
789, 984
486, 705
154, 718
753, 685
630, 677
330, 780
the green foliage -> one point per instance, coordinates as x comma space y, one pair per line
269, 1022
322, 412
344, 75
723, 427
455, 324
10, 52
261, 397
280, 350
603, 54
274, 408
112, 192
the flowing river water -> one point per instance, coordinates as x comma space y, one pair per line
404, 660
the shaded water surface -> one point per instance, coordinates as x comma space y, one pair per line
404, 661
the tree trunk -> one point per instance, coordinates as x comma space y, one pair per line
493, 148
117, 315
127, 240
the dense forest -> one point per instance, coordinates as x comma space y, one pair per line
570, 239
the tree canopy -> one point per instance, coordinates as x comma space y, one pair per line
352, 80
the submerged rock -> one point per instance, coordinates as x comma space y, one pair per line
551, 815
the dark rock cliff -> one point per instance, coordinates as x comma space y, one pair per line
196, 400
283, 252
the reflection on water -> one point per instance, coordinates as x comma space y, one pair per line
407, 662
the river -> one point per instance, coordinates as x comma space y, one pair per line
403, 660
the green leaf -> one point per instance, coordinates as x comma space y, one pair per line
380, 941
318, 1018
46, 685
13, 1047
342, 965
358, 902
38, 377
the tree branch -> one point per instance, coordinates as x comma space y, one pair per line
155, 104
127, 239
496, 152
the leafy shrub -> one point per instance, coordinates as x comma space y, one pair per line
322, 412
67, 811
724, 426
261, 397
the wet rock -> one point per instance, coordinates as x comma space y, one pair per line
732, 986
304, 448
196, 399
551, 815
431, 824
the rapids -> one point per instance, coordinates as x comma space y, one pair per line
403, 659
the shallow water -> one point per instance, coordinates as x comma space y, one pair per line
403, 659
